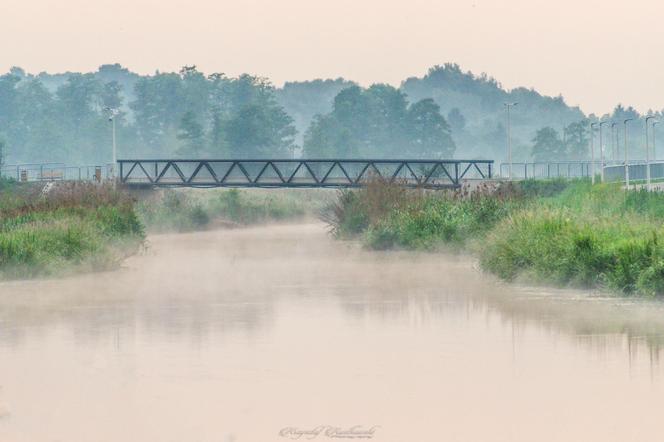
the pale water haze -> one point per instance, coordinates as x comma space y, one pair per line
237, 335
595, 53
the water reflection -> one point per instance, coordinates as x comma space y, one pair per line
189, 287
269, 327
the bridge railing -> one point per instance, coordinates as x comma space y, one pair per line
300, 172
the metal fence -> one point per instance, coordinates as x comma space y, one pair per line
637, 171
560, 169
55, 172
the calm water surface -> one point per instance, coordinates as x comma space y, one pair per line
235, 335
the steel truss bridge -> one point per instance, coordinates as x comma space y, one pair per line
339, 173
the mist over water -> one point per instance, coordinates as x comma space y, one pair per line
234, 335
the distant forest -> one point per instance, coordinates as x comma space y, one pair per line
448, 113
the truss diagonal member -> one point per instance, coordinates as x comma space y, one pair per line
479, 171
463, 174
179, 172
312, 173
442, 166
364, 169
412, 173
198, 169
396, 172
350, 180
145, 172
228, 172
130, 171
276, 169
290, 178
260, 174
329, 171
170, 164
430, 174
244, 171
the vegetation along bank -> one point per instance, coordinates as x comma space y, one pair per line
56, 229
61, 228
552, 232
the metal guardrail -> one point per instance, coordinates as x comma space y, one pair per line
55, 172
300, 172
556, 169
637, 171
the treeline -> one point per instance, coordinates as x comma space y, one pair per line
447, 112
189, 114
573, 141
181, 114
379, 122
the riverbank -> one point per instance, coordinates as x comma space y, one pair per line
560, 233
64, 228
58, 229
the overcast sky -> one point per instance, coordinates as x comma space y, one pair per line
594, 53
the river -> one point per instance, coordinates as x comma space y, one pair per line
278, 332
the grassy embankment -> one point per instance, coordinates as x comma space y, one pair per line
72, 227
85, 227
567, 234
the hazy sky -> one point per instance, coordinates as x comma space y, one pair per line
594, 53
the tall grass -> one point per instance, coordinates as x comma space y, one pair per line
72, 227
563, 233
390, 215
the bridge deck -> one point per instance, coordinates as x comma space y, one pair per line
337, 173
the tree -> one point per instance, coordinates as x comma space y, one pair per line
547, 145
158, 108
191, 135
260, 131
576, 140
111, 95
2, 152
428, 132
327, 138
303, 100
378, 122
8, 100
456, 120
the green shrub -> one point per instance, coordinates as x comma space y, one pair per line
75, 226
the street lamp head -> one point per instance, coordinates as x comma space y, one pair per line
113, 112
511, 104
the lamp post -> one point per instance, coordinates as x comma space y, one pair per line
654, 147
509, 136
613, 141
113, 113
648, 154
592, 152
626, 154
601, 148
